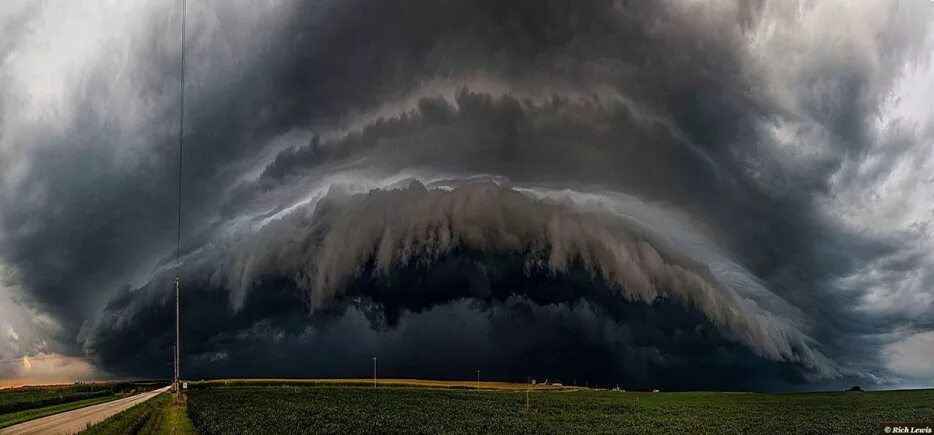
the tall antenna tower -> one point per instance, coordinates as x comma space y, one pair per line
178, 234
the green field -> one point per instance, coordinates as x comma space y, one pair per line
26, 403
20, 399
309, 408
21, 404
12, 418
407, 406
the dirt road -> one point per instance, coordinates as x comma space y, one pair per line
76, 420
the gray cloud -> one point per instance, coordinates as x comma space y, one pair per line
793, 138
911, 357
396, 228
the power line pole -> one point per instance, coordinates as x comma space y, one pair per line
478, 379
178, 391
374, 372
178, 234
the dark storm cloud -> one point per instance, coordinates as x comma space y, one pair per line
440, 317
392, 229
752, 119
571, 141
409, 249
637, 345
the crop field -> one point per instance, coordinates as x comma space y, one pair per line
21, 399
310, 408
430, 383
26, 403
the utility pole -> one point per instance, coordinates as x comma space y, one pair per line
178, 235
527, 387
374, 372
478, 379
178, 390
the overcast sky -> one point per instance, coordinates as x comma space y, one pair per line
673, 194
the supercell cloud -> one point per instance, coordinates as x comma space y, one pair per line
677, 195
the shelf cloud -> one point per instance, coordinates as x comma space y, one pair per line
620, 191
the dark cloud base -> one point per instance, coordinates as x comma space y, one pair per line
466, 312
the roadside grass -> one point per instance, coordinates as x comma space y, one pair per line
34, 413
175, 419
159, 415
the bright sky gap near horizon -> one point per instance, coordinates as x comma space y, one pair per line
678, 194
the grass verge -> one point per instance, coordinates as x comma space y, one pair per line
159, 415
